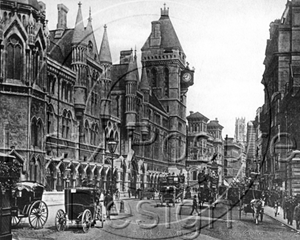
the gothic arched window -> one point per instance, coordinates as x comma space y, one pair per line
34, 132
49, 119
166, 82
86, 131
96, 135
92, 134
68, 126
154, 77
64, 123
40, 134
37, 56
14, 58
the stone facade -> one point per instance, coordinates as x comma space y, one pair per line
62, 99
205, 147
279, 117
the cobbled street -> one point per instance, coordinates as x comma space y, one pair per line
147, 219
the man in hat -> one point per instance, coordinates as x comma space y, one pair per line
108, 203
297, 215
195, 205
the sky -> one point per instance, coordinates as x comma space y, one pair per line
224, 40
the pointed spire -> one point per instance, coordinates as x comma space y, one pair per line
78, 36
144, 82
135, 53
132, 70
90, 15
165, 11
104, 53
89, 27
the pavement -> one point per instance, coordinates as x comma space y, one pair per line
270, 211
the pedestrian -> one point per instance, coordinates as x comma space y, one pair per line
276, 206
199, 198
195, 205
108, 203
129, 193
117, 194
290, 211
284, 201
97, 206
297, 215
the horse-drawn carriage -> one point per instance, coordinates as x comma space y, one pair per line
252, 203
82, 208
228, 195
206, 195
171, 189
27, 202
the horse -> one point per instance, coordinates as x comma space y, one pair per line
257, 207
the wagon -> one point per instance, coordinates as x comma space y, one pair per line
82, 208
248, 198
228, 195
27, 202
171, 189
148, 193
206, 195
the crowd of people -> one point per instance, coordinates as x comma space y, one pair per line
290, 206
291, 209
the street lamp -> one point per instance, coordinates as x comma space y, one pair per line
112, 145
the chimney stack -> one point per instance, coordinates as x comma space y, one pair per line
62, 16
62, 20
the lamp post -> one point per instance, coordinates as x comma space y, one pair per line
112, 145
188, 175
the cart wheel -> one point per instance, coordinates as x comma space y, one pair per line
60, 220
38, 214
86, 220
15, 220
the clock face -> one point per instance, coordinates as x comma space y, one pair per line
186, 77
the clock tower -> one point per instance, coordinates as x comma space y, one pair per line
169, 78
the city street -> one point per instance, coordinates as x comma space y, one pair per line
147, 219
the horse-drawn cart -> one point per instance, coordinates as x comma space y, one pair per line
27, 200
252, 203
82, 208
206, 195
228, 195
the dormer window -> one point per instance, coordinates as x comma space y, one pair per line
90, 46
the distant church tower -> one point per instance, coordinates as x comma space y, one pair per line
240, 130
